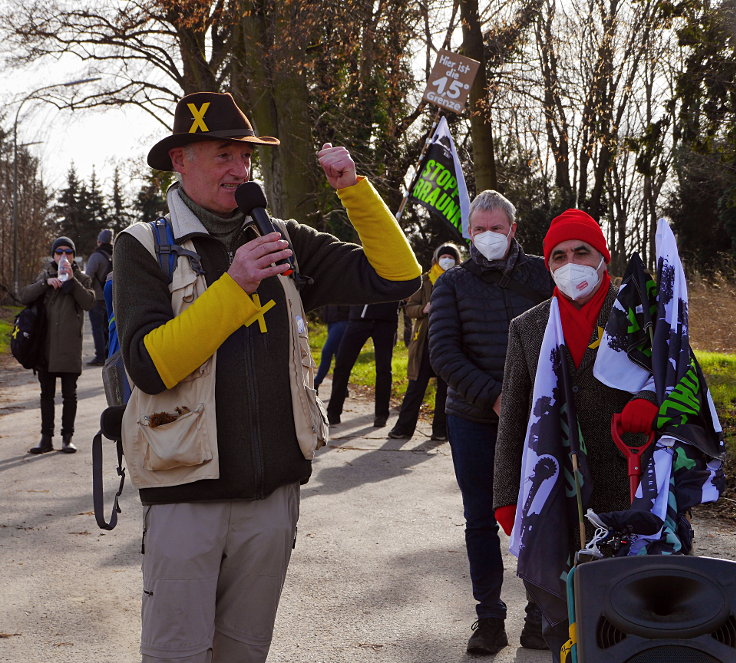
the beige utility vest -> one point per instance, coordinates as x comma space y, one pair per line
170, 438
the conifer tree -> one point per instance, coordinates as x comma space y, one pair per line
69, 210
119, 213
97, 216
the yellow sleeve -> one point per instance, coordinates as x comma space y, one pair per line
185, 342
383, 241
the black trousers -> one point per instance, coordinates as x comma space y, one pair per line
383, 333
414, 396
69, 401
554, 635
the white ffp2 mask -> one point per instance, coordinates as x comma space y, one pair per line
493, 246
577, 281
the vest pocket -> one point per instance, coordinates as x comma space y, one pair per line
181, 442
318, 413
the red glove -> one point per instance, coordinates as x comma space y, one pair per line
505, 516
638, 416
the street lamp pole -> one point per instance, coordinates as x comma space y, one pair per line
15, 168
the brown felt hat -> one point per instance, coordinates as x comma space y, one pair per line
205, 116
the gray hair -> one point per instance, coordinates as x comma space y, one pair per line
490, 200
188, 151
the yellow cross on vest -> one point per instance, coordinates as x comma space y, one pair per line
261, 310
198, 115
598, 339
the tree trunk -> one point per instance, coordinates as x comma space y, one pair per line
481, 130
278, 106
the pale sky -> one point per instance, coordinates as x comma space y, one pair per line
89, 138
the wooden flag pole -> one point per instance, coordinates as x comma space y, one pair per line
427, 143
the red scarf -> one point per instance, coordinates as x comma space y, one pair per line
578, 323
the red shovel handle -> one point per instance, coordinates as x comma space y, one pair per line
632, 454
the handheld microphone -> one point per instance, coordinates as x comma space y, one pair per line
252, 202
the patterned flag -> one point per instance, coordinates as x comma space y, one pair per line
547, 509
640, 353
629, 332
440, 186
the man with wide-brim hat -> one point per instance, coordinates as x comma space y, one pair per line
221, 352
205, 116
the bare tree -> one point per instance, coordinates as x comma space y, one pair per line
292, 64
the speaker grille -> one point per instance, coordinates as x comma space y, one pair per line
670, 654
726, 634
607, 635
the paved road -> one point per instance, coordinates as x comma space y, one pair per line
379, 573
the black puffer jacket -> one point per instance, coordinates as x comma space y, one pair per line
469, 323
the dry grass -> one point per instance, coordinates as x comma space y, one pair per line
712, 313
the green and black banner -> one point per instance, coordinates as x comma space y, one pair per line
440, 187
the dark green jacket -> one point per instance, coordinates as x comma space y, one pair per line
255, 430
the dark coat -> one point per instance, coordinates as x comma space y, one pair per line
415, 309
335, 313
98, 267
468, 327
386, 311
64, 316
595, 403
255, 427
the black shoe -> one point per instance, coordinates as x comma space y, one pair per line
96, 362
67, 446
396, 435
44, 446
531, 636
333, 419
380, 422
439, 437
489, 637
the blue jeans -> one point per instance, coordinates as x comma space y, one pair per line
335, 330
98, 322
473, 447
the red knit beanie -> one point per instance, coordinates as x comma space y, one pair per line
575, 224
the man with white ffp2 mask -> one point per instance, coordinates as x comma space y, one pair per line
578, 281
577, 254
471, 309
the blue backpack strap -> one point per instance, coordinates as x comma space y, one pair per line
163, 237
168, 251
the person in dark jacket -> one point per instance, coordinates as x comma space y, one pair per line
378, 322
336, 319
66, 293
98, 267
418, 369
217, 548
471, 308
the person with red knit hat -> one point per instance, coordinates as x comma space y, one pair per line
577, 255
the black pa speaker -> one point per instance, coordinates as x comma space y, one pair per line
656, 609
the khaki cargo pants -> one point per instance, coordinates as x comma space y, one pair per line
212, 577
